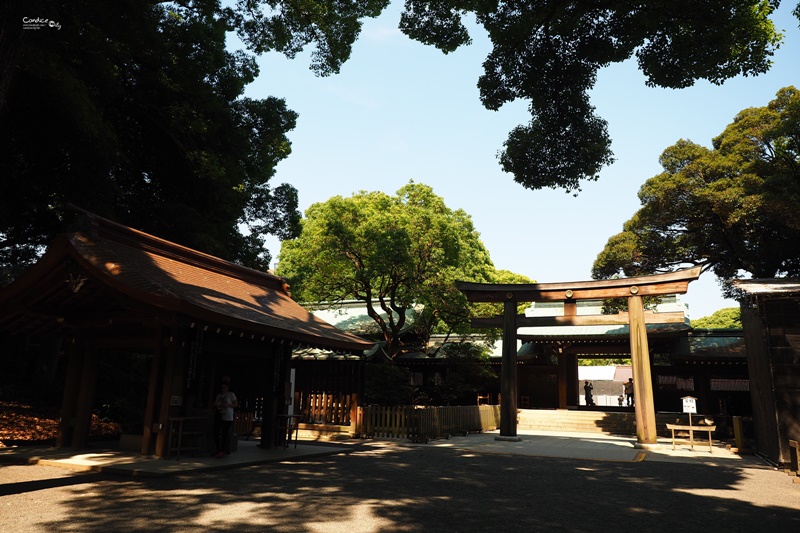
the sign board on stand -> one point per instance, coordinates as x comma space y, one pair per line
689, 406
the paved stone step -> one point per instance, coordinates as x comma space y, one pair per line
569, 420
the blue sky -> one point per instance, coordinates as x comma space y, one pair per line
401, 111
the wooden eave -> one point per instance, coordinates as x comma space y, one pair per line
770, 287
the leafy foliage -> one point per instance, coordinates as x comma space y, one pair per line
732, 208
394, 253
728, 318
137, 113
26, 422
466, 373
288, 27
386, 384
603, 362
463, 372
549, 52
489, 309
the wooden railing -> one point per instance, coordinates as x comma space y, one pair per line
324, 408
243, 422
421, 424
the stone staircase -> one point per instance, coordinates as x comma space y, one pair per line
592, 421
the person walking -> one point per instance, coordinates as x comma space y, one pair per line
629, 391
224, 404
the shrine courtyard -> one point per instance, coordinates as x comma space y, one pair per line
462, 484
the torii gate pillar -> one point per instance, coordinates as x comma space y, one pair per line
508, 374
644, 406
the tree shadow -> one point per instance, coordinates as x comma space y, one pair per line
397, 487
21, 487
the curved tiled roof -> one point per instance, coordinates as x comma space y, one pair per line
158, 274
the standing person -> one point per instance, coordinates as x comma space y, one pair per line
629, 391
587, 393
224, 404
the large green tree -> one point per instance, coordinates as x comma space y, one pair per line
545, 51
138, 113
728, 318
548, 52
394, 253
731, 208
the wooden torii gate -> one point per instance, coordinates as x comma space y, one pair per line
634, 289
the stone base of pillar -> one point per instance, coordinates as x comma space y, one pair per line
509, 438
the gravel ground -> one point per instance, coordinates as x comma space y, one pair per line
388, 487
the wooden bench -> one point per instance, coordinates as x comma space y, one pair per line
794, 459
691, 430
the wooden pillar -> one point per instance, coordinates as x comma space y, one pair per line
162, 424
85, 399
508, 373
642, 381
69, 401
151, 409
702, 389
274, 399
353, 414
573, 392
568, 368
759, 369
562, 381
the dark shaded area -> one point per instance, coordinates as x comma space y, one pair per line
22, 487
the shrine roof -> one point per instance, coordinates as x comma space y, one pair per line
769, 286
115, 262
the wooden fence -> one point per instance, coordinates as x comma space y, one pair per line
421, 424
243, 422
324, 408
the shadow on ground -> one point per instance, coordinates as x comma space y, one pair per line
382, 487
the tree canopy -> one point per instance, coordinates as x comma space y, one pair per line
731, 208
394, 253
728, 318
137, 113
548, 52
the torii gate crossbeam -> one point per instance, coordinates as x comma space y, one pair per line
631, 288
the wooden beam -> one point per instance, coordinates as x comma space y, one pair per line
624, 351
93, 319
650, 317
656, 285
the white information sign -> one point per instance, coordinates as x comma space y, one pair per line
689, 404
